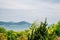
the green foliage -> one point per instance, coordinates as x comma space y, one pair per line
57, 30
51, 32
41, 32
11, 35
31, 35
36, 32
2, 30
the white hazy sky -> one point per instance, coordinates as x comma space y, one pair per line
29, 10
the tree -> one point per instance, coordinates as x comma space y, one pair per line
31, 35
51, 32
11, 35
57, 30
38, 32
2, 30
41, 32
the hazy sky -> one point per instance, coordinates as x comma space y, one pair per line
29, 10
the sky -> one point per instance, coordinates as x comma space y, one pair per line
30, 10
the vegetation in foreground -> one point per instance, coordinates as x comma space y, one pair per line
36, 32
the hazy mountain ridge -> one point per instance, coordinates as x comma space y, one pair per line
15, 25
